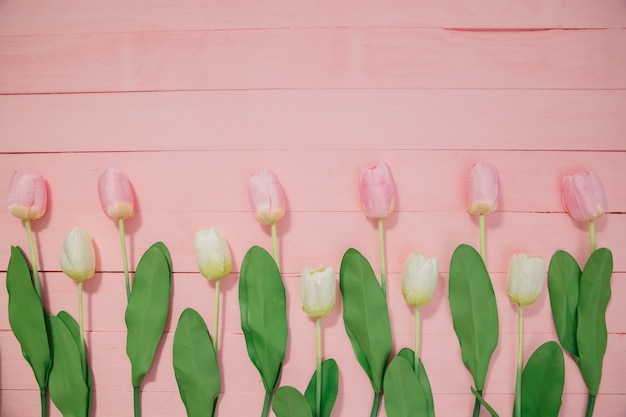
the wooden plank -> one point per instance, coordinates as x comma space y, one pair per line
314, 119
313, 58
27, 17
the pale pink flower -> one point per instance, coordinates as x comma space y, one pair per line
483, 188
267, 197
378, 191
116, 194
583, 196
27, 198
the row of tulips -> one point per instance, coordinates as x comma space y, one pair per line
578, 299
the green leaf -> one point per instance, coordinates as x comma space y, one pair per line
68, 389
563, 287
484, 403
422, 378
288, 402
542, 382
365, 315
27, 316
263, 308
147, 309
195, 365
595, 293
474, 311
404, 396
330, 386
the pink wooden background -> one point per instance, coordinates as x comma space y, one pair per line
191, 97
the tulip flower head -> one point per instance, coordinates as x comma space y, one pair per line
419, 279
267, 197
378, 191
27, 198
584, 198
317, 291
116, 194
212, 254
78, 259
483, 188
525, 279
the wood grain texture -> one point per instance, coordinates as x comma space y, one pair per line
315, 119
313, 58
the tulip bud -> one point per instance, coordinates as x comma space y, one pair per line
78, 260
525, 279
317, 291
378, 191
116, 194
212, 254
267, 197
583, 196
27, 198
483, 188
419, 279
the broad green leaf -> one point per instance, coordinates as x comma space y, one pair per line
422, 378
147, 309
542, 382
68, 389
195, 365
563, 286
288, 402
263, 308
27, 316
330, 386
474, 311
404, 396
595, 293
365, 315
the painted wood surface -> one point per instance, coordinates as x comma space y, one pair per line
190, 98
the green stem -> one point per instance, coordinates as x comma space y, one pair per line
137, 401
217, 314
33, 256
82, 330
591, 402
476, 411
381, 248
275, 245
481, 226
592, 235
266, 403
43, 392
375, 405
318, 365
520, 346
124, 257
417, 340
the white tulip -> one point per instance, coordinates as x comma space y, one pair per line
212, 254
525, 279
419, 279
78, 260
317, 291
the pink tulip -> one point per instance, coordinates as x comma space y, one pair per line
483, 188
583, 196
378, 191
116, 194
267, 197
27, 198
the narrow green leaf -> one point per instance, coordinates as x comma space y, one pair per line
484, 403
422, 378
263, 308
404, 396
542, 382
68, 389
27, 316
147, 309
330, 386
195, 365
365, 315
474, 311
563, 287
288, 402
595, 293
